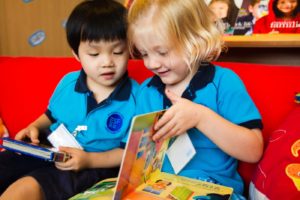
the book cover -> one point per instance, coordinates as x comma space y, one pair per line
227, 11
249, 13
40, 151
280, 18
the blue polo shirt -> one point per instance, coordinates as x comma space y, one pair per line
106, 123
221, 90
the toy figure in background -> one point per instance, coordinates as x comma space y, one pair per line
283, 17
178, 40
244, 24
221, 8
95, 103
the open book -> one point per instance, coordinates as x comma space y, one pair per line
140, 175
103, 190
42, 152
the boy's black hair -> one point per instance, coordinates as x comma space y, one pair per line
95, 20
280, 14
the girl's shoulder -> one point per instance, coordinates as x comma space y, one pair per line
145, 83
224, 74
147, 87
220, 70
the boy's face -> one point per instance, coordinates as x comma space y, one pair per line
287, 6
104, 62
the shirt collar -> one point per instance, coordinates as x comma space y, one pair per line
203, 76
120, 93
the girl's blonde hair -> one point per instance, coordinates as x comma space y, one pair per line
188, 25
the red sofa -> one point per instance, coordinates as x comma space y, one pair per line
26, 84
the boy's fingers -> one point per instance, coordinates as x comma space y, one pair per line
66, 149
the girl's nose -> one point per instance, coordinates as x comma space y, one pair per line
152, 63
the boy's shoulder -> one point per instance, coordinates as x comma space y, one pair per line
67, 80
134, 87
134, 84
71, 76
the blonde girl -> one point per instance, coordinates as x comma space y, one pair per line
178, 40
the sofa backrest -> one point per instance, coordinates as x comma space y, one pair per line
26, 84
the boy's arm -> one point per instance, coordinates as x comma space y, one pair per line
32, 130
42, 122
112, 158
82, 160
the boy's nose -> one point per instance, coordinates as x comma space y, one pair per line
106, 61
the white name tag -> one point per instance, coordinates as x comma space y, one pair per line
62, 137
181, 152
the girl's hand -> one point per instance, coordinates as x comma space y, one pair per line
30, 132
78, 160
181, 116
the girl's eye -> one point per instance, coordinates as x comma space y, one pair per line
143, 55
163, 53
93, 54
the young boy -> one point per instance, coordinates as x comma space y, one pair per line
100, 98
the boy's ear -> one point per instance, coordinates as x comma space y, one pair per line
76, 56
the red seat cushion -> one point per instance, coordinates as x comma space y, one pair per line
277, 176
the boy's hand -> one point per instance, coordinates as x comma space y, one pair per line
78, 160
181, 116
31, 133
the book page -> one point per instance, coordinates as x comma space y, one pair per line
169, 186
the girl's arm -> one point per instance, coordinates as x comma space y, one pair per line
242, 143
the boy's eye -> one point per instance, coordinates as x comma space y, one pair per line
93, 54
118, 52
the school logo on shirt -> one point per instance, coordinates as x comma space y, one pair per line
114, 122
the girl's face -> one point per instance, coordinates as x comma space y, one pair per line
160, 57
103, 62
287, 6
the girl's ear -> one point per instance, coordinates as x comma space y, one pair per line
76, 56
